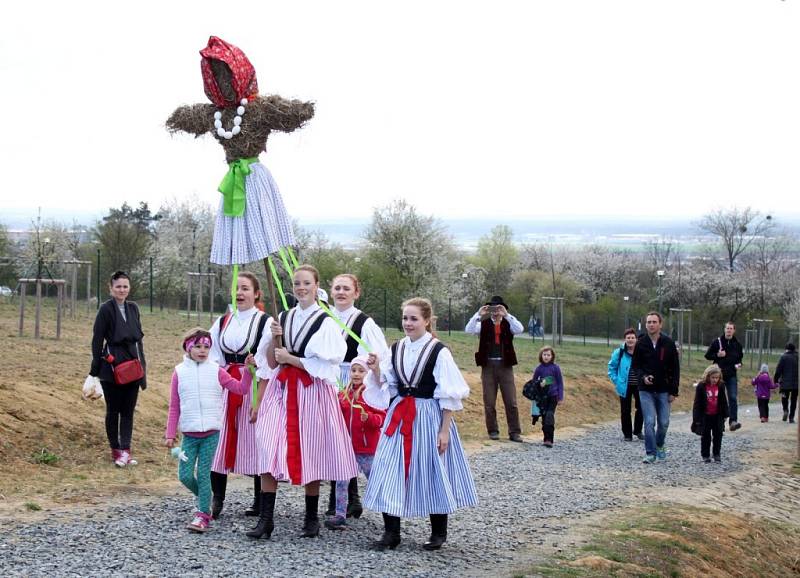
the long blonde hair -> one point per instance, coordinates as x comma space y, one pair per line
425, 308
711, 370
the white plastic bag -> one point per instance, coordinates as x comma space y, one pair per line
92, 388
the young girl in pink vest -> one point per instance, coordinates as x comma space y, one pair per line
195, 407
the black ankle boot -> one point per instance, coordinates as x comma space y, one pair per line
391, 534
354, 508
438, 532
255, 509
218, 484
265, 524
331, 501
311, 522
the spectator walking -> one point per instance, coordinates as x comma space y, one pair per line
656, 368
709, 412
763, 386
726, 352
786, 376
619, 373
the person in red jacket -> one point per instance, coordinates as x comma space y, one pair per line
364, 419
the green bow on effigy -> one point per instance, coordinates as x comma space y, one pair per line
232, 187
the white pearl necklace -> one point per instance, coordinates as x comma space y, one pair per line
237, 122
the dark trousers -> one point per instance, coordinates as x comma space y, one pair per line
789, 401
713, 425
120, 404
495, 376
629, 430
763, 408
549, 417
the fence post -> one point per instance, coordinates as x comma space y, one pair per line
385, 310
151, 284
608, 330
584, 330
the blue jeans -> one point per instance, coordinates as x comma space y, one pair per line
732, 389
655, 408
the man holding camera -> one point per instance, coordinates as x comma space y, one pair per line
496, 358
656, 368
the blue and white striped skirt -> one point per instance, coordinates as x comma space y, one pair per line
262, 229
436, 484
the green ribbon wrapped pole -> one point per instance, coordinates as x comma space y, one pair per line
232, 187
294, 259
286, 265
278, 286
234, 288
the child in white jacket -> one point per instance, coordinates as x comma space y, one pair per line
195, 407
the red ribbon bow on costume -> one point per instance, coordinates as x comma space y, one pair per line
291, 376
243, 74
406, 411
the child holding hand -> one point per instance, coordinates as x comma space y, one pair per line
762, 387
195, 407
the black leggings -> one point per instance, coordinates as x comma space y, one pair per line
789, 401
120, 404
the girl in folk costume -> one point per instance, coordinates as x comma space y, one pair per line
235, 335
195, 407
345, 289
420, 468
301, 432
364, 422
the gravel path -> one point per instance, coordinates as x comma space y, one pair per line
529, 496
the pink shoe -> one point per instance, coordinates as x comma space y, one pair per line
200, 522
129, 461
114, 455
122, 459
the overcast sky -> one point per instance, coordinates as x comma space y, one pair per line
464, 108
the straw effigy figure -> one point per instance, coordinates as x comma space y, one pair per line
252, 221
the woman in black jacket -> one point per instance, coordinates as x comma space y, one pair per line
118, 332
786, 376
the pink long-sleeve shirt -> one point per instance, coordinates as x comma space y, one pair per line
225, 381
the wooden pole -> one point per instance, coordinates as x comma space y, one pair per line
199, 302
88, 285
272, 300
38, 308
59, 301
211, 301
188, 296
23, 289
74, 291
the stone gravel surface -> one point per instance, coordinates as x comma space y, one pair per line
529, 495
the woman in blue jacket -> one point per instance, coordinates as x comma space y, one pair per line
619, 367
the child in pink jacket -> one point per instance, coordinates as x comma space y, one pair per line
763, 386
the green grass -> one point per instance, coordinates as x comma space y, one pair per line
45, 457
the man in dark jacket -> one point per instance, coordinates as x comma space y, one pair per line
656, 368
786, 376
726, 352
496, 358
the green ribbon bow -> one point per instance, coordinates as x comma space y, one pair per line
232, 187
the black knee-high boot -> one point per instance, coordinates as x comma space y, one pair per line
219, 483
265, 522
438, 532
391, 534
311, 521
331, 501
354, 508
255, 508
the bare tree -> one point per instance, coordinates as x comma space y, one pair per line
736, 229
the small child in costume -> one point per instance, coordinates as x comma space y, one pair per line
710, 411
549, 373
364, 422
195, 407
762, 387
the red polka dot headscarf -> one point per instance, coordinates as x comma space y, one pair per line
243, 73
